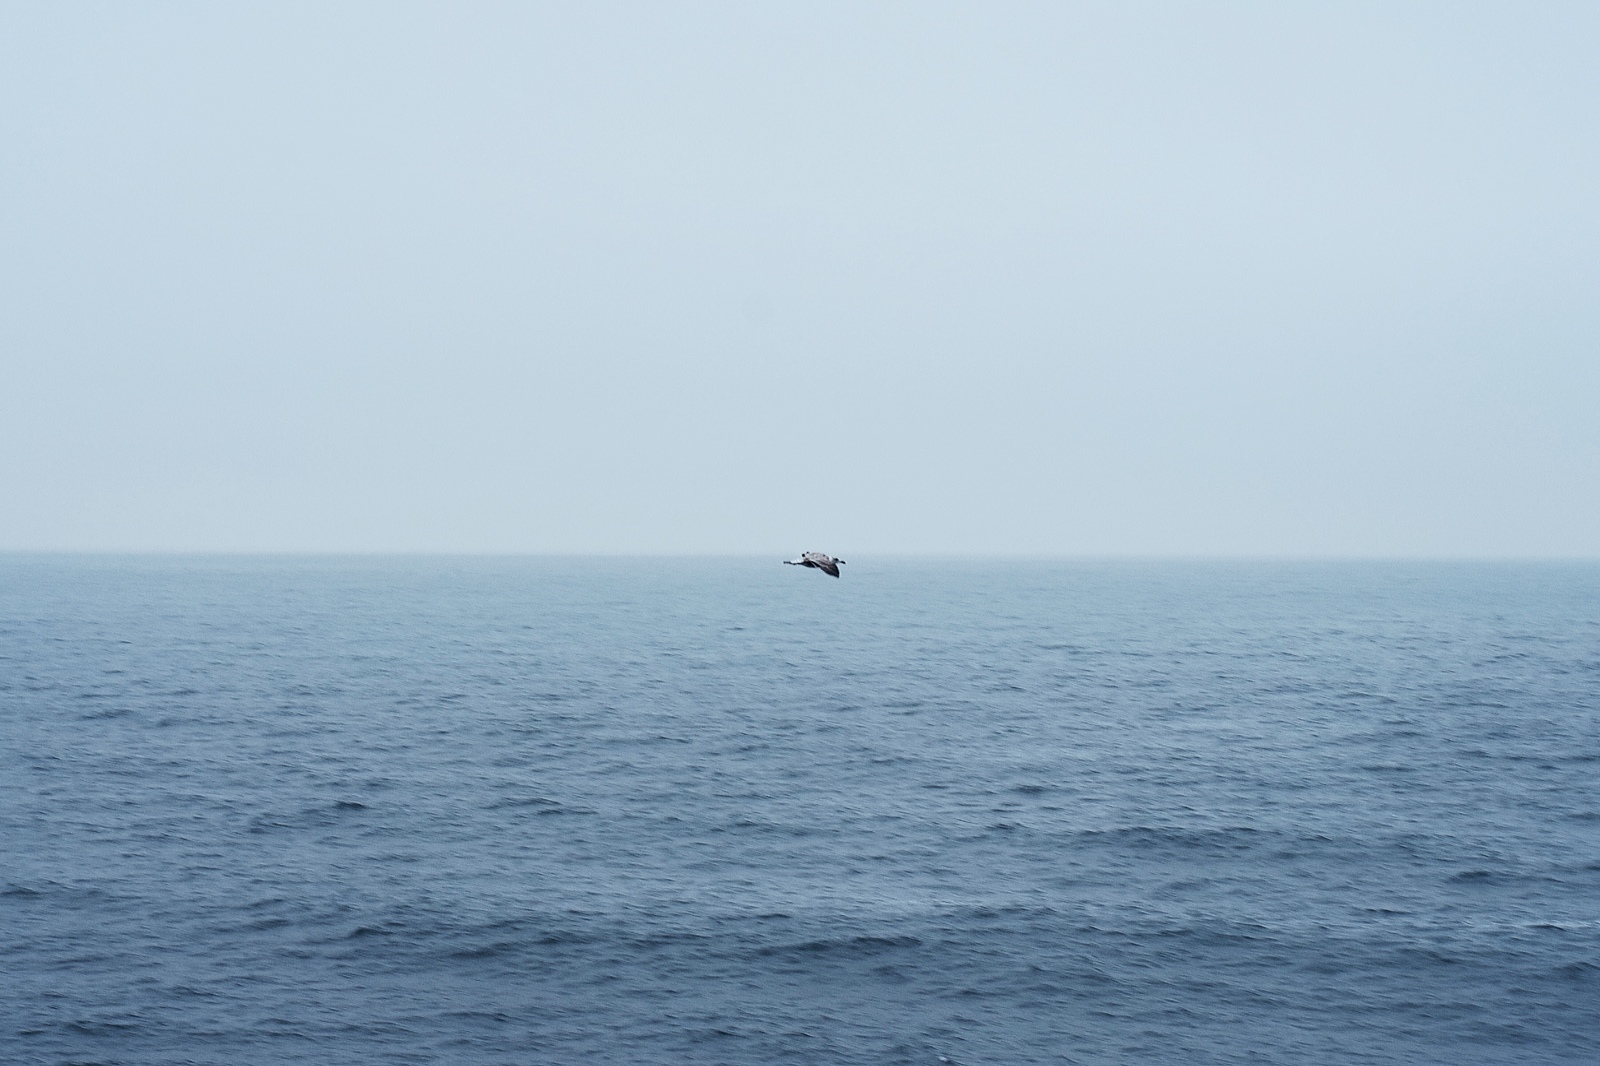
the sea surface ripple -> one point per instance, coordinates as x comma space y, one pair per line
433, 810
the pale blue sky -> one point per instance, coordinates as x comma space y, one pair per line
1214, 279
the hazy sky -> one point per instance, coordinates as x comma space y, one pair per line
1287, 279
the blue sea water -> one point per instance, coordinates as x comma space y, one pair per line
385, 810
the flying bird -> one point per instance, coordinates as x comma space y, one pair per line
819, 561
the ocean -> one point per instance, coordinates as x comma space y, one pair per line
369, 810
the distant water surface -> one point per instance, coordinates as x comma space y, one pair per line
506, 811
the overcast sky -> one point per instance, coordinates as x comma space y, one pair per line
1170, 279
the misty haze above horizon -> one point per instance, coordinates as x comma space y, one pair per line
1155, 279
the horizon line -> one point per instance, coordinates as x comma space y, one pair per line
1013, 556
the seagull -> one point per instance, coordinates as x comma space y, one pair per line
818, 560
